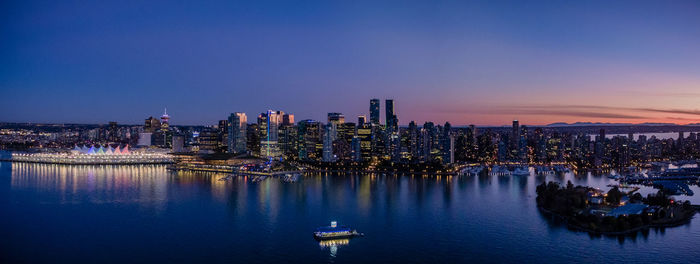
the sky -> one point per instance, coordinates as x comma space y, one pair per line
466, 62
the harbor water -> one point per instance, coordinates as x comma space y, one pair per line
143, 214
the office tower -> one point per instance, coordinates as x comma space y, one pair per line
374, 111
223, 134
308, 139
207, 141
361, 120
287, 119
268, 143
151, 125
447, 143
237, 138
391, 122
253, 138
364, 135
329, 136
287, 140
336, 118
356, 149
413, 139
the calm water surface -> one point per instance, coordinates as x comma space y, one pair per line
56, 213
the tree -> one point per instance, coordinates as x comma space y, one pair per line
614, 196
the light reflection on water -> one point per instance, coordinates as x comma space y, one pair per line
426, 219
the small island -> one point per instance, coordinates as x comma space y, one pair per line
612, 213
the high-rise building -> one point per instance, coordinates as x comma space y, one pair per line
287, 119
391, 121
237, 123
329, 136
151, 125
268, 144
223, 134
364, 136
374, 111
361, 120
308, 139
287, 140
336, 118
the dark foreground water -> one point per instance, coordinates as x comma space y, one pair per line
138, 214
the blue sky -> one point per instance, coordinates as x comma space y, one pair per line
459, 61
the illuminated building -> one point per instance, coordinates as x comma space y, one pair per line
364, 136
237, 123
336, 118
96, 156
308, 139
268, 143
329, 136
374, 111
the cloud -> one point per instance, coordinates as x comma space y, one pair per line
614, 108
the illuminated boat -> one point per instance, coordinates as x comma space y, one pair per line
335, 232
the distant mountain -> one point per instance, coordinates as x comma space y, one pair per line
564, 124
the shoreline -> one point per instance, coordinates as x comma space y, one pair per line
615, 233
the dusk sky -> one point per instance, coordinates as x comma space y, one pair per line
466, 62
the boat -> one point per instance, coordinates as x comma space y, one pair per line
500, 171
335, 232
521, 171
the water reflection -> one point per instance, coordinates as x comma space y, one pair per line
439, 216
94, 184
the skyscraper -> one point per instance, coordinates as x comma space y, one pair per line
374, 111
329, 135
391, 122
237, 123
268, 144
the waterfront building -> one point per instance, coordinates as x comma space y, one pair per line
237, 128
208, 140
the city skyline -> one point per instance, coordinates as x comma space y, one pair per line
466, 63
